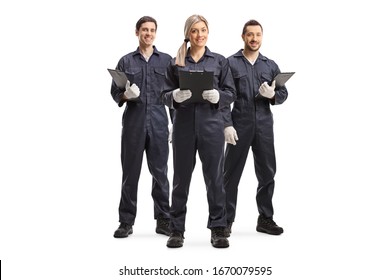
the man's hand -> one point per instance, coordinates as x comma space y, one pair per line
230, 135
132, 91
266, 90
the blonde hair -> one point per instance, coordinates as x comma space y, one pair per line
181, 53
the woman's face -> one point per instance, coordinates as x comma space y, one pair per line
199, 34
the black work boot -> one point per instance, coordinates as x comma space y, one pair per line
267, 225
176, 239
218, 238
123, 230
162, 226
228, 229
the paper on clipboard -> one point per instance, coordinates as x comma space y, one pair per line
282, 78
119, 77
197, 82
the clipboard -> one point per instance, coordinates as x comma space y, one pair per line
119, 77
282, 78
197, 82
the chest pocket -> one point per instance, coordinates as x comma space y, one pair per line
217, 74
134, 75
266, 77
158, 76
241, 82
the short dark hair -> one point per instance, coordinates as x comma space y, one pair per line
143, 20
251, 22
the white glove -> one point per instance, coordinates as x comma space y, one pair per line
211, 95
230, 135
267, 91
131, 91
181, 95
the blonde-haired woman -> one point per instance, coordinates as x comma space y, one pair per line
198, 127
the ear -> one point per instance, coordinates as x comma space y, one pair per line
136, 33
243, 37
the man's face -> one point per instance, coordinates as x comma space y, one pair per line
146, 34
199, 34
253, 37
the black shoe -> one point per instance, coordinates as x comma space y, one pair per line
228, 229
123, 230
162, 226
218, 238
267, 225
176, 239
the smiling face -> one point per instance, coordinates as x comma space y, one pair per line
198, 35
146, 34
253, 37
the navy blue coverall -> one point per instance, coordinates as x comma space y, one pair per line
199, 127
252, 118
144, 128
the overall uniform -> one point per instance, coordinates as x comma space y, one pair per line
252, 118
145, 128
199, 127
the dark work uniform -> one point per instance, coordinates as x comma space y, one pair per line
253, 121
145, 128
199, 127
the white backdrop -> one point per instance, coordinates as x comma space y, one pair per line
60, 144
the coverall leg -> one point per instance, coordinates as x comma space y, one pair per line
131, 156
235, 160
211, 153
184, 159
157, 151
265, 167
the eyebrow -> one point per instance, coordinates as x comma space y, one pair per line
201, 28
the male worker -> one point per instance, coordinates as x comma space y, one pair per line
145, 128
251, 125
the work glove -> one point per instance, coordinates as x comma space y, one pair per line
230, 135
212, 95
131, 91
181, 95
266, 90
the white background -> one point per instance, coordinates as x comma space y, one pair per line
60, 141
